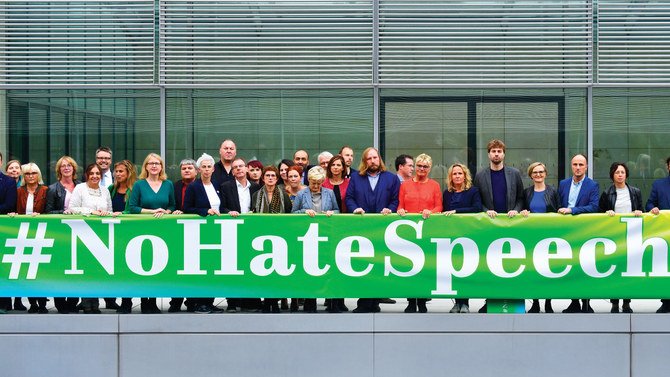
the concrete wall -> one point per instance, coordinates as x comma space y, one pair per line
385, 345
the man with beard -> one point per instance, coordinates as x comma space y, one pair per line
500, 186
103, 157
301, 158
375, 190
223, 169
348, 154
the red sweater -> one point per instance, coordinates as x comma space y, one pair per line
415, 197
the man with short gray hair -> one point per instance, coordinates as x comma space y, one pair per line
188, 172
324, 158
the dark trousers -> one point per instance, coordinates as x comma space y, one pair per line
38, 301
368, 305
66, 304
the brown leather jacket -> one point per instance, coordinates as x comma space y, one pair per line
39, 202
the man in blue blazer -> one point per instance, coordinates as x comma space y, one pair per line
7, 205
579, 194
659, 199
373, 189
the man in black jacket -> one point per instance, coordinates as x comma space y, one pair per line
236, 199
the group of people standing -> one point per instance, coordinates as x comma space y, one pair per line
234, 186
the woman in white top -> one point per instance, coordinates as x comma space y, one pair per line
89, 198
621, 198
203, 196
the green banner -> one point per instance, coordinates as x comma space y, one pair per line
470, 256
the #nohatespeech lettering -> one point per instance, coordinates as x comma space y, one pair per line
458, 257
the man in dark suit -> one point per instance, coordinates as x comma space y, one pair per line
236, 194
223, 171
7, 205
373, 189
500, 186
236, 199
659, 199
579, 194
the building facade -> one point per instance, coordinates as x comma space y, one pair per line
551, 78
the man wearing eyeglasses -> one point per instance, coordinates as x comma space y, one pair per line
103, 157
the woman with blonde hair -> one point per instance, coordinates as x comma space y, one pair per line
125, 177
152, 194
420, 195
539, 198
31, 199
313, 200
460, 197
58, 200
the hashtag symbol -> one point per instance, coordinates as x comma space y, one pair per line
20, 244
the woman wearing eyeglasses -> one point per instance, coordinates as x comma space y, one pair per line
31, 199
152, 194
540, 198
420, 195
271, 199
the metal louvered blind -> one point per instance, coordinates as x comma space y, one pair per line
484, 42
265, 42
77, 42
633, 42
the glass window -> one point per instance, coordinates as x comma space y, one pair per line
456, 125
267, 125
631, 125
44, 125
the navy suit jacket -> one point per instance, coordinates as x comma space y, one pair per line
385, 195
471, 201
196, 200
587, 200
660, 194
7, 194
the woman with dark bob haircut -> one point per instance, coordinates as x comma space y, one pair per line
271, 199
621, 198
